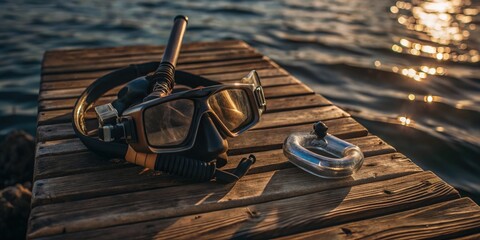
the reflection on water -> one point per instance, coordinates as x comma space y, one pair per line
408, 70
440, 30
443, 22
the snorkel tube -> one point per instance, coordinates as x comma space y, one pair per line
158, 84
164, 76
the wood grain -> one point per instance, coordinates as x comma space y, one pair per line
64, 115
276, 104
78, 194
185, 58
94, 184
267, 139
443, 220
214, 76
267, 81
62, 101
150, 57
269, 119
61, 57
271, 206
241, 68
65, 130
57, 153
54, 166
75, 92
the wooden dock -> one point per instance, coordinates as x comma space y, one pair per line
79, 195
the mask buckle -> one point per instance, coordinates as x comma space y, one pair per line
259, 95
123, 130
106, 114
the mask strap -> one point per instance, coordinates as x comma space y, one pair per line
112, 80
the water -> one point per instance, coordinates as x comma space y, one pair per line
408, 71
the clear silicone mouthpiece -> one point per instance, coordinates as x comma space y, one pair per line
322, 154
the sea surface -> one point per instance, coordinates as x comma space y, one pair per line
408, 70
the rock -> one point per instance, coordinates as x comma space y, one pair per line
16, 165
14, 211
17, 153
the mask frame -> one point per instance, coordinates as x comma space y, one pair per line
256, 100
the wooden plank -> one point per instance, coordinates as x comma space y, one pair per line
198, 62
185, 58
442, 220
74, 92
300, 116
60, 56
270, 92
95, 184
376, 160
266, 82
278, 104
58, 147
54, 117
266, 139
190, 65
55, 166
287, 91
183, 67
105, 51
213, 76
296, 102
228, 69
269, 119
258, 206
142, 57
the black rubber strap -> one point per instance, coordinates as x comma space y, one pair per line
110, 81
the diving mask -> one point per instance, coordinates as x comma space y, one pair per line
170, 124
220, 103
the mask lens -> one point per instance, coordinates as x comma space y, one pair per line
232, 107
168, 123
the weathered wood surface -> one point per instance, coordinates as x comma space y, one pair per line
78, 194
425, 223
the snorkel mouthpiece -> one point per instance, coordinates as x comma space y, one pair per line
322, 154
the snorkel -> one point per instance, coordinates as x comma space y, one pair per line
164, 76
158, 84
